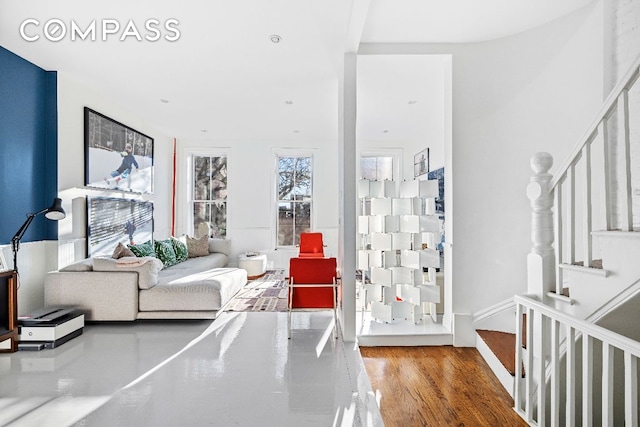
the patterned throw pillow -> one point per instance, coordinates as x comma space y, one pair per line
198, 247
143, 249
122, 251
165, 252
180, 247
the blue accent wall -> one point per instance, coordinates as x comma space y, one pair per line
28, 147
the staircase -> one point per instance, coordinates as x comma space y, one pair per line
573, 338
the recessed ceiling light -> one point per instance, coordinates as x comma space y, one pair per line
288, 102
412, 102
164, 101
275, 38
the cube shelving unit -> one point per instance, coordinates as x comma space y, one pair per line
399, 231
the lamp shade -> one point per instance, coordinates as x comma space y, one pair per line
55, 212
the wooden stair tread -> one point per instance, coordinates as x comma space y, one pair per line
503, 345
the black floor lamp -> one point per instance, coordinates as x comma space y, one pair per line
54, 213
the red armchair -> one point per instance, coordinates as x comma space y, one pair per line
313, 286
311, 245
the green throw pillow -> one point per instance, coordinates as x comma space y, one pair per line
180, 247
165, 252
143, 249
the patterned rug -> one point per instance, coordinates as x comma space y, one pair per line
266, 293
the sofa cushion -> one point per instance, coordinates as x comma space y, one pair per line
180, 248
146, 267
193, 265
165, 252
121, 251
198, 291
143, 249
198, 247
84, 265
222, 246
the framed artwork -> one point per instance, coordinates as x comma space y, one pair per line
421, 163
113, 220
116, 157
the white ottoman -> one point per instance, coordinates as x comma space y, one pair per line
255, 265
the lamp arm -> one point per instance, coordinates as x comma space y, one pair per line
15, 241
23, 229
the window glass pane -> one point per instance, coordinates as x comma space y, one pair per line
285, 223
201, 174
218, 220
209, 196
210, 218
385, 168
302, 219
368, 167
219, 178
302, 185
201, 215
286, 177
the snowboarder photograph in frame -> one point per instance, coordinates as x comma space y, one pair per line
117, 157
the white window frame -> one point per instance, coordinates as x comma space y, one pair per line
190, 154
395, 153
290, 152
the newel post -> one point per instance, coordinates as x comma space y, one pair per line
541, 259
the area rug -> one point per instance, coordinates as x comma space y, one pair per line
266, 293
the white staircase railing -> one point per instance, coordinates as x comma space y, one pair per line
592, 189
555, 403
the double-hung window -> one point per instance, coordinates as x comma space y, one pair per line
209, 195
376, 168
293, 197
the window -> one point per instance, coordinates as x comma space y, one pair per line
376, 167
293, 198
209, 197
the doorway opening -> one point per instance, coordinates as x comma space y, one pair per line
403, 135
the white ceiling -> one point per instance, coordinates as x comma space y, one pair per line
458, 21
225, 76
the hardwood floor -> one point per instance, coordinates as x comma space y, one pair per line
437, 386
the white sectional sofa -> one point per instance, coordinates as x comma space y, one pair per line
107, 289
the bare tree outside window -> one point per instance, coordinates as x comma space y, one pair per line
294, 198
209, 196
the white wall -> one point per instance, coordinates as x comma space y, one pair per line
537, 91
73, 96
251, 180
624, 22
385, 85
36, 258
512, 97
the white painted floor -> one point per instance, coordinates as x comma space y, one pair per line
239, 370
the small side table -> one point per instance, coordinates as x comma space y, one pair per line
256, 265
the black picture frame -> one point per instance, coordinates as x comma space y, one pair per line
108, 220
112, 151
421, 163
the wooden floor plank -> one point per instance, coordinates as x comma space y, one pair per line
437, 386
